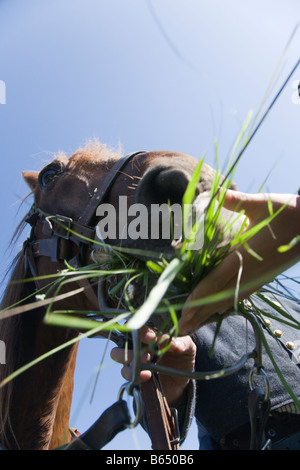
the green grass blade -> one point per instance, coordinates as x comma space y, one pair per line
142, 315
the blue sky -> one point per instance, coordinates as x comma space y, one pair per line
159, 75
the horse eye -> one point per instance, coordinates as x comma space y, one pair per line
47, 176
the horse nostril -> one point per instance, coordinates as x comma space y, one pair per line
162, 184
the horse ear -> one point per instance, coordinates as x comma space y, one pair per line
31, 179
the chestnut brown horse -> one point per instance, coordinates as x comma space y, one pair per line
35, 406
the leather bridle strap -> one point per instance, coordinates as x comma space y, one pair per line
61, 229
101, 191
162, 424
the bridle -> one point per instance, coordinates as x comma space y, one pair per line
61, 235
67, 239
62, 230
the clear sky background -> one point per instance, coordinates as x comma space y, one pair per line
149, 75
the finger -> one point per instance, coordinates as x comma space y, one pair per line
147, 335
175, 345
256, 206
179, 346
125, 357
237, 201
126, 373
121, 356
145, 375
151, 338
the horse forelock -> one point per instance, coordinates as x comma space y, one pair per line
92, 152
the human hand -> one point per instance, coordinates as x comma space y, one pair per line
255, 273
180, 355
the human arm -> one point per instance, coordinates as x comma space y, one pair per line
284, 228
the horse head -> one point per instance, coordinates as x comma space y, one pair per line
68, 192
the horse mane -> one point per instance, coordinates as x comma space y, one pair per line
14, 293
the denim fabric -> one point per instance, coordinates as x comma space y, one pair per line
205, 440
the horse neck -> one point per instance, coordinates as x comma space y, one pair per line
35, 406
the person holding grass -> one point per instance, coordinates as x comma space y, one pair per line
220, 405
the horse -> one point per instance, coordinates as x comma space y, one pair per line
35, 406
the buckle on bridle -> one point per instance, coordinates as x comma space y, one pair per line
58, 225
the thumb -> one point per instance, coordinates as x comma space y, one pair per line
237, 201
